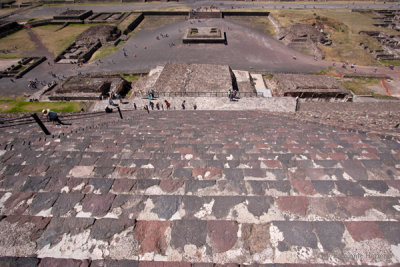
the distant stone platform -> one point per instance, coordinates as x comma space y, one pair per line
178, 79
204, 35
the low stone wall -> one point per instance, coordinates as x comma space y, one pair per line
133, 24
30, 67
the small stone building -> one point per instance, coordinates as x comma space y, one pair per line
308, 86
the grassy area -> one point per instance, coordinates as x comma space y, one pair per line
259, 22
390, 62
16, 105
360, 86
103, 52
57, 41
343, 27
128, 20
154, 22
130, 77
17, 44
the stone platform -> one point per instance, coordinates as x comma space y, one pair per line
179, 188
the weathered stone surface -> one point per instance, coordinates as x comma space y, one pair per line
97, 205
330, 235
81, 171
63, 262
65, 203
105, 229
42, 202
361, 231
187, 232
151, 236
166, 206
298, 233
297, 205
223, 235
34, 184
170, 186
256, 237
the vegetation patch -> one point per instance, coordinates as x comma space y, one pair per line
361, 86
130, 77
103, 51
153, 22
16, 45
58, 40
343, 27
18, 105
127, 21
256, 22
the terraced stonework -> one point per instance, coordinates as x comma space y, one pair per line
180, 188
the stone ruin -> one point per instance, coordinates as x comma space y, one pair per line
22, 67
308, 86
73, 15
7, 28
390, 45
388, 19
205, 13
178, 79
87, 43
305, 38
90, 87
204, 35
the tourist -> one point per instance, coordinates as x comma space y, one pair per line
134, 106
152, 93
194, 106
183, 104
108, 109
158, 105
146, 108
111, 102
53, 116
151, 105
167, 104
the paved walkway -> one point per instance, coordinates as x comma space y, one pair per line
184, 187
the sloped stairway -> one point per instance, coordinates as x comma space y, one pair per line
181, 188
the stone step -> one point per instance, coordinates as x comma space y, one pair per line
201, 241
81, 203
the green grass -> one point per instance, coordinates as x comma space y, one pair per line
343, 27
103, 52
130, 77
18, 44
359, 86
57, 41
128, 20
390, 62
18, 105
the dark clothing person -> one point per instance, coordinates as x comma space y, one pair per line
152, 105
134, 105
108, 110
167, 104
53, 117
183, 104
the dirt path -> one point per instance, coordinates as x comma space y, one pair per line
41, 49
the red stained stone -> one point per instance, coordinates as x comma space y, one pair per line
357, 206
360, 231
123, 185
98, 205
292, 204
184, 150
261, 146
170, 186
303, 186
125, 171
30, 170
151, 236
273, 164
338, 156
223, 235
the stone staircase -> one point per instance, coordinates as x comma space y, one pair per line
194, 188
